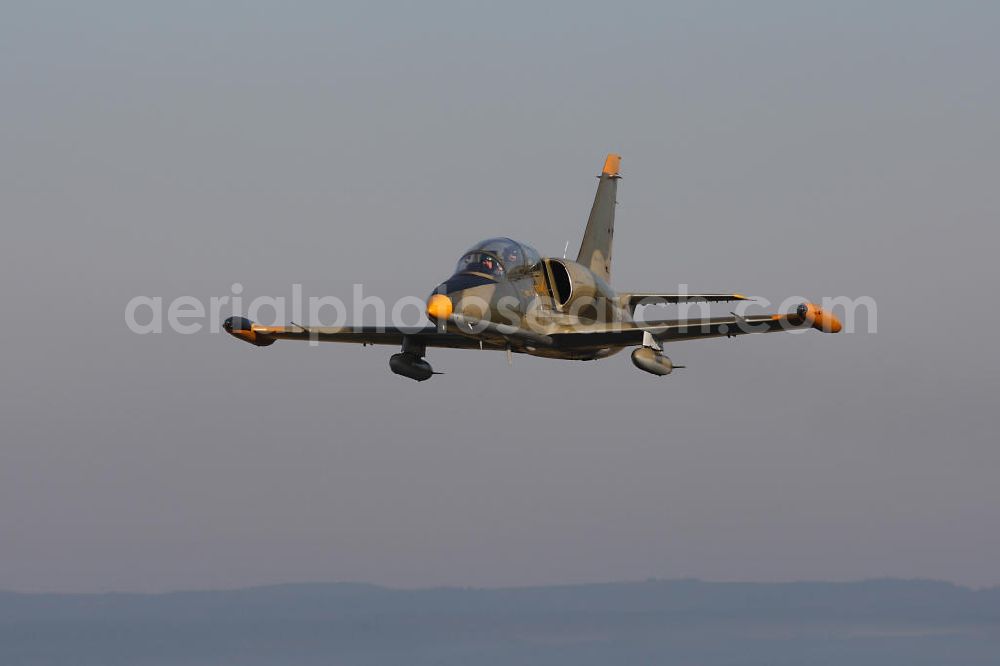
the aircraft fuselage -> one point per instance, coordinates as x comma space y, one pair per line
507, 283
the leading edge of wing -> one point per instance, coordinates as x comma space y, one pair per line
803, 317
430, 336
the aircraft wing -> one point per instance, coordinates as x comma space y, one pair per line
430, 336
625, 334
488, 335
805, 316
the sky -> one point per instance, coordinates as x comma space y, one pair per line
775, 149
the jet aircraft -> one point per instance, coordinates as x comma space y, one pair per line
504, 296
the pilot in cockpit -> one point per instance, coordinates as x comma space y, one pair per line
489, 264
513, 257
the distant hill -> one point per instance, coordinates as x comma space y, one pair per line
877, 622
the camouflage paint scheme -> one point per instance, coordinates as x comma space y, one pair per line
505, 296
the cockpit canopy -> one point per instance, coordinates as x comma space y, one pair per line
497, 258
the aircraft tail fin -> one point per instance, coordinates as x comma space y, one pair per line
595, 250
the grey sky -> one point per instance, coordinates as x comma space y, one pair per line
844, 148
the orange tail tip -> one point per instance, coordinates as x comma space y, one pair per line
611, 165
820, 319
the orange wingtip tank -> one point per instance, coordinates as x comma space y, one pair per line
246, 330
611, 165
820, 319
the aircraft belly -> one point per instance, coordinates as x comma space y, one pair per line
574, 354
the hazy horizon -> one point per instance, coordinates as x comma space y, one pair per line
876, 623
496, 588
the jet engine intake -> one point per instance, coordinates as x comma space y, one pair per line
575, 289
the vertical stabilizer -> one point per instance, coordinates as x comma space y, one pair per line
595, 250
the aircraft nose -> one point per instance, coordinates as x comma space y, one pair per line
439, 307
